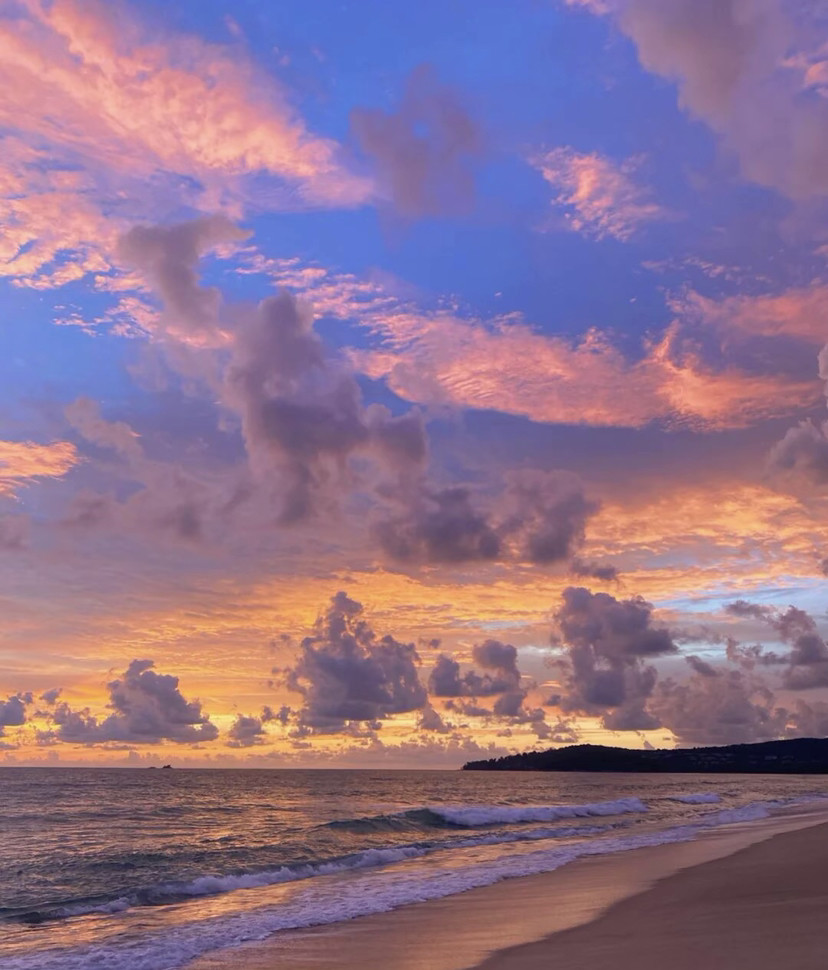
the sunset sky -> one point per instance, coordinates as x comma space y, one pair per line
394, 384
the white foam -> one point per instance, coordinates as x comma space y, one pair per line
474, 815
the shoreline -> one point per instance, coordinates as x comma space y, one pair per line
760, 908
496, 925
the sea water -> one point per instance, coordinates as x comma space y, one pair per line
147, 870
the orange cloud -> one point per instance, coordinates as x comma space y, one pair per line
797, 312
508, 367
24, 461
599, 197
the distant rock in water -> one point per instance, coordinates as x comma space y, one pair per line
166, 767
800, 756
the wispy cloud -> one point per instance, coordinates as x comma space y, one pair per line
108, 121
22, 462
599, 197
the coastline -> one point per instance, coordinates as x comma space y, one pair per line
762, 907
512, 925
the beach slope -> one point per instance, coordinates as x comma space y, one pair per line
761, 908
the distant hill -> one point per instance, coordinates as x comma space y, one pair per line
800, 756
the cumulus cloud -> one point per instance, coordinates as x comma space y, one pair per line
807, 660
302, 410
731, 708
802, 454
424, 150
547, 512
439, 526
345, 673
745, 69
607, 643
599, 197
430, 720
167, 257
245, 732
500, 674
13, 711
147, 707
539, 517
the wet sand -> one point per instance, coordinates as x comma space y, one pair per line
569, 918
764, 907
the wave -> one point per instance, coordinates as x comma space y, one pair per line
703, 798
376, 892
213, 885
475, 816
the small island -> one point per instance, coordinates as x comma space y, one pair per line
800, 756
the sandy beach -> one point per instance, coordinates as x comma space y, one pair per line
744, 896
763, 907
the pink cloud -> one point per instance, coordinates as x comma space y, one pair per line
22, 462
797, 312
598, 196
508, 367
439, 358
106, 121
177, 103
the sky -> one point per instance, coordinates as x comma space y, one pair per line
391, 385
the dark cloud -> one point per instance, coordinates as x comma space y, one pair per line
302, 411
607, 641
701, 667
807, 660
744, 608
802, 454
430, 720
468, 707
147, 708
51, 696
424, 151
168, 256
547, 511
594, 570
731, 708
245, 732
13, 711
346, 673
441, 526
282, 715
510, 705
540, 517
500, 673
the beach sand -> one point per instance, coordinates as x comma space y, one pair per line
753, 895
764, 907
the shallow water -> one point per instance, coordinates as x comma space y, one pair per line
150, 869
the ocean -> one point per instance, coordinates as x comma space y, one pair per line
127, 869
